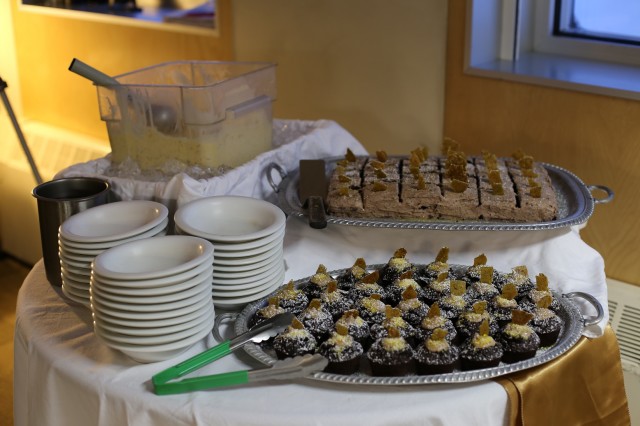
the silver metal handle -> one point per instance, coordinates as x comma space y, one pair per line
269, 171
587, 321
218, 321
604, 188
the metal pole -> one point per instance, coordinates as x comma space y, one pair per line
16, 126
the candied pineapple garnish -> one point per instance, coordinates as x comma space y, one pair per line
391, 312
295, 323
497, 189
518, 154
459, 186
272, 301
415, 171
490, 160
509, 291
542, 282
449, 144
521, 270
535, 192
332, 286
443, 255
526, 162
480, 260
418, 154
520, 317
376, 164
456, 171
379, 186
315, 304
342, 329
442, 276
494, 176
350, 156
343, 191
406, 275
483, 330
381, 156
544, 302
529, 173
380, 174
409, 293
458, 287
343, 179
360, 262
480, 307
434, 311
401, 252
393, 332
486, 274
422, 184
414, 160
321, 269
439, 334
371, 278
342, 163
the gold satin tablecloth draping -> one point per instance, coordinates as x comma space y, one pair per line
581, 387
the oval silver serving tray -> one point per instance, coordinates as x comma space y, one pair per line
573, 326
575, 204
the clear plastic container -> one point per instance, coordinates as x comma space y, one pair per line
196, 112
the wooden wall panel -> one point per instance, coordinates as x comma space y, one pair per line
596, 137
46, 44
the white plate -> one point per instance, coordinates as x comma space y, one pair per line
235, 302
113, 221
153, 258
153, 331
68, 262
153, 299
153, 232
62, 253
250, 279
168, 290
163, 339
75, 276
270, 247
146, 354
76, 269
155, 282
78, 251
76, 284
99, 308
248, 271
153, 307
229, 218
245, 260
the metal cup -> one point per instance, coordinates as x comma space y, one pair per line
57, 201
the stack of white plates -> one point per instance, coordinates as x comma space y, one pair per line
87, 234
248, 236
151, 299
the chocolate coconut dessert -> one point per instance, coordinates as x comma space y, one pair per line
469, 321
481, 351
367, 286
546, 323
412, 309
272, 309
294, 341
356, 326
317, 283
456, 302
518, 339
342, 351
372, 309
502, 305
393, 320
348, 278
434, 320
405, 281
390, 356
396, 266
335, 301
436, 355
316, 319
292, 299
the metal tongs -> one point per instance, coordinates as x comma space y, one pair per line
285, 369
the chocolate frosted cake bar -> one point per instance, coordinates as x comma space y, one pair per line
453, 187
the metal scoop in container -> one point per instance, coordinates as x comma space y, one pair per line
162, 117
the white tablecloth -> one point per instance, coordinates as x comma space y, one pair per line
65, 376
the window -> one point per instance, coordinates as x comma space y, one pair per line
587, 45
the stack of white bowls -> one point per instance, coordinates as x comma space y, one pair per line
248, 236
85, 235
151, 299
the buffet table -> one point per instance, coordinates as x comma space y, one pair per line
64, 375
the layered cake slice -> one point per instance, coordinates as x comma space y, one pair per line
536, 196
420, 189
344, 194
381, 186
459, 188
497, 196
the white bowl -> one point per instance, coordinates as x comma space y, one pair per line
153, 258
247, 272
146, 354
134, 306
63, 253
83, 277
222, 267
251, 245
69, 294
150, 283
162, 339
269, 247
250, 279
165, 290
159, 230
229, 218
152, 323
241, 261
113, 221
247, 285
246, 289
237, 302
76, 284
99, 308
176, 298
153, 331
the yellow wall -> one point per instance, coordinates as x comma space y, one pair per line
596, 137
47, 42
374, 66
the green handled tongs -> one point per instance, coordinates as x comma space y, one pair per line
258, 333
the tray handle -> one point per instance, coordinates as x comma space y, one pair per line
587, 321
218, 321
269, 172
604, 188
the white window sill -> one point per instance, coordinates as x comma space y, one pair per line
584, 75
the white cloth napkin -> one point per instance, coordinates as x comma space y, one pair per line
569, 263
